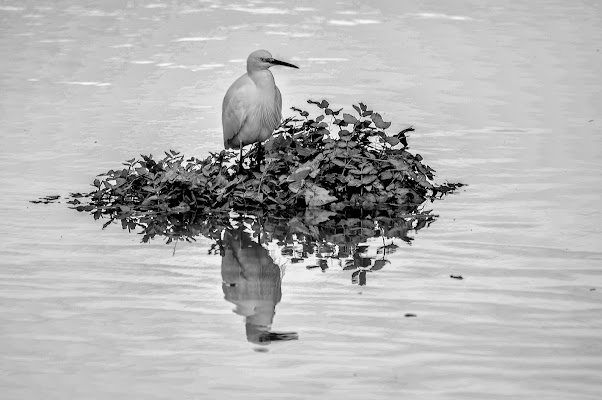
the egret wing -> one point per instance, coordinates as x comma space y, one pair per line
235, 111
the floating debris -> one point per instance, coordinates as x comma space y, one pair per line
47, 199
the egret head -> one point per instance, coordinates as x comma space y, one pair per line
262, 59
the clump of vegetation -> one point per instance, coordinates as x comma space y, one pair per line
336, 161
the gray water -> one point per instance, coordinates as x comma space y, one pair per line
504, 96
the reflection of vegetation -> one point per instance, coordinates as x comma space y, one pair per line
315, 238
354, 244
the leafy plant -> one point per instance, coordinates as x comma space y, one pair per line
327, 184
335, 160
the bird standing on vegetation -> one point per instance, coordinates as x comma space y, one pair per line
252, 107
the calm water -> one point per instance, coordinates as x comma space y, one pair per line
505, 96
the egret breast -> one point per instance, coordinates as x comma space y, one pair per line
269, 113
264, 115
251, 110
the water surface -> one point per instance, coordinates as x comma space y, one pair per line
504, 97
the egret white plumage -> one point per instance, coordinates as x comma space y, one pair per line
252, 106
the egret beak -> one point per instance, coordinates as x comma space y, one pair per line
278, 62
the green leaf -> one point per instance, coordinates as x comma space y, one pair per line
316, 196
304, 151
295, 186
350, 119
386, 175
368, 179
120, 181
299, 174
368, 169
398, 164
321, 104
378, 121
392, 140
344, 135
182, 208
339, 162
168, 176
253, 195
300, 111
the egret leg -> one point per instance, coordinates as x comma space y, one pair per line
240, 159
259, 155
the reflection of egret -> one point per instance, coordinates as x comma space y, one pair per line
252, 107
251, 280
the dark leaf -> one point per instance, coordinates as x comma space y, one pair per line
316, 196
386, 175
295, 186
299, 174
379, 264
392, 140
321, 104
378, 121
350, 119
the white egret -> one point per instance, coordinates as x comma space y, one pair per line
252, 107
